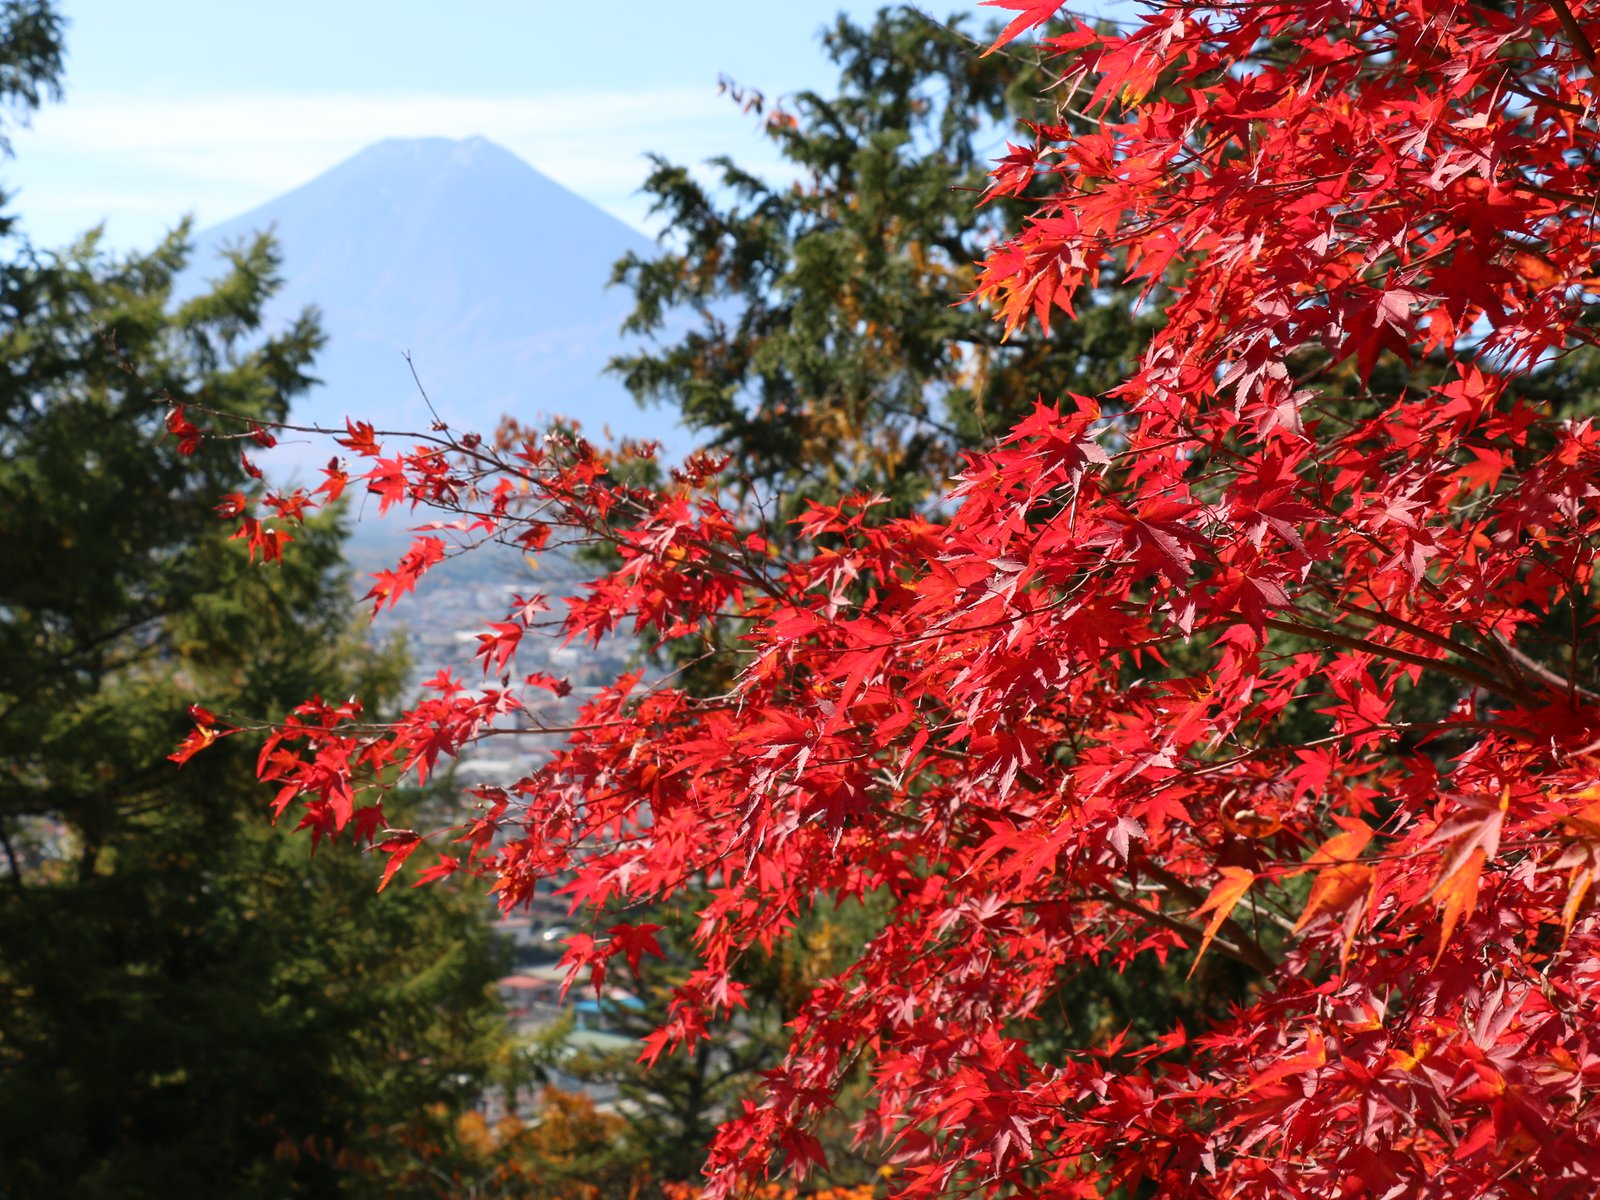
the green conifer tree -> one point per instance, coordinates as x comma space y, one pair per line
189, 1005
815, 331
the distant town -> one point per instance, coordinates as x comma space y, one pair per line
440, 625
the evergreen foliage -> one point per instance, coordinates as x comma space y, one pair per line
815, 332
188, 1006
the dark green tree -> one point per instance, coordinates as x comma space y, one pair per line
31, 60
189, 1005
815, 331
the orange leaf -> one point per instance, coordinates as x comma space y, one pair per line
1335, 889
1536, 269
1586, 821
1340, 882
1220, 904
1314, 1055
1342, 878
1343, 847
1582, 877
1474, 838
1458, 894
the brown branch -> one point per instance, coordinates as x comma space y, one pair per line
1501, 656
1574, 31
1248, 953
1553, 678
1379, 616
1510, 85
1488, 683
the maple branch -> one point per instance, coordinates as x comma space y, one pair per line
1548, 101
1380, 616
1574, 31
1248, 952
1554, 193
1227, 764
1488, 683
1554, 678
1499, 657
1504, 660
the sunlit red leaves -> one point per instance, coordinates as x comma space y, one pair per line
197, 740
359, 437
207, 729
388, 482
262, 540
399, 846
632, 942
1030, 15
231, 506
180, 427
1032, 281
1246, 628
1160, 538
1012, 174
443, 868
498, 643
334, 481
290, 507
389, 586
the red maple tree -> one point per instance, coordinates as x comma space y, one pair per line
1283, 650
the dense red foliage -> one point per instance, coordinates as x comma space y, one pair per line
1064, 720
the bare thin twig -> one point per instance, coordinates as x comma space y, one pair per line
423, 392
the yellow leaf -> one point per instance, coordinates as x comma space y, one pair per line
1407, 1061
1220, 904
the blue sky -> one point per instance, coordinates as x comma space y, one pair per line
211, 108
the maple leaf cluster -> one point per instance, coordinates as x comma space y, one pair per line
1251, 656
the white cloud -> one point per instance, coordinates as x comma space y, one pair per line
141, 162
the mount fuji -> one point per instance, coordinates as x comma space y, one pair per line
491, 275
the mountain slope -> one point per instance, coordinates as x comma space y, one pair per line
491, 275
